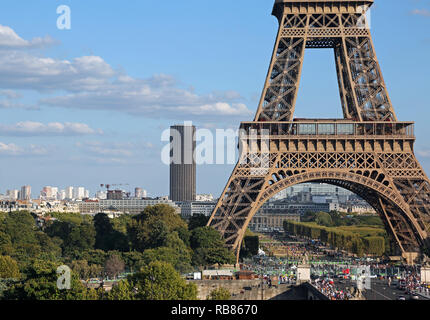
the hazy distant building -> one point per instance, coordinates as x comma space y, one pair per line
49, 192
139, 193
69, 193
54, 192
46, 192
101, 195
25, 193
182, 163
115, 195
79, 193
12, 194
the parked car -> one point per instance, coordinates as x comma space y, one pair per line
414, 296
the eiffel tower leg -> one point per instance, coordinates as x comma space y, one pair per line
283, 78
237, 205
363, 91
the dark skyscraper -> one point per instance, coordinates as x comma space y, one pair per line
183, 165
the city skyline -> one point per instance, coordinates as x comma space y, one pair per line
57, 129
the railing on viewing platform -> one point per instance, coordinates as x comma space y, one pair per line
328, 128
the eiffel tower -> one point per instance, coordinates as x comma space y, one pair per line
368, 152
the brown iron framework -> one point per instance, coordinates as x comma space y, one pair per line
368, 152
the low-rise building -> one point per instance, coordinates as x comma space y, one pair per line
263, 222
204, 197
127, 206
358, 209
192, 208
272, 215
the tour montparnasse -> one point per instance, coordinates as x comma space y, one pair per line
369, 152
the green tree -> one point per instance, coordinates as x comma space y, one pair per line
103, 229
309, 217
150, 228
160, 281
250, 246
74, 236
184, 234
164, 213
96, 256
324, 219
81, 237
209, 248
122, 290
133, 260
6, 247
9, 268
107, 237
41, 284
205, 237
219, 294
174, 252
197, 221
20, 227
81, 268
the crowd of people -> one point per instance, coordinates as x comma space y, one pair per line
412, 283
328, 288
326, 266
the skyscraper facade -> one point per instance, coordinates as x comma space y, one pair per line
182, 163
69, 193
25, 193
79, 193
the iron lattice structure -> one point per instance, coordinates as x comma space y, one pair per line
369, 152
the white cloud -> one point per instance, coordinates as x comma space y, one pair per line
9, 149
421, 12
220, 108
10, 40
91, 83
30, 128
8, 104
10, 94
424, 153
156, 97
107, 149
21, 70
12, 149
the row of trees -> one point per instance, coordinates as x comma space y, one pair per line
157, 241
338, 219
337, 238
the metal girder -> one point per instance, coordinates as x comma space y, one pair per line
362, 88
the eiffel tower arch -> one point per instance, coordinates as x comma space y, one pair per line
368, 152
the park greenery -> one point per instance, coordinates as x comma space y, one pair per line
356, 234
153, 248
219, 294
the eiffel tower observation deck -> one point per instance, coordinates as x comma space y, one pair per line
368, 152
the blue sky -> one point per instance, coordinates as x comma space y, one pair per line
87, 106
